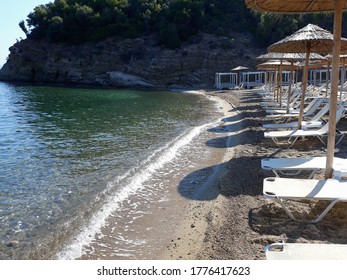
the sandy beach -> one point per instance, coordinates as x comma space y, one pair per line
238, 222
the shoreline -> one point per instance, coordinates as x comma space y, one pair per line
160, 214
152, 214
188, 240
240, 222
207, 203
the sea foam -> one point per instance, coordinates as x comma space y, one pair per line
135, 179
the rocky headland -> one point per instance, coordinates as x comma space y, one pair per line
138, 62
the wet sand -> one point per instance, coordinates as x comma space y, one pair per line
239, 221
147, 220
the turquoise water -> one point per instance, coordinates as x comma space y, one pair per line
66, 153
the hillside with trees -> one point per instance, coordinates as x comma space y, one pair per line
152, 43
173, 21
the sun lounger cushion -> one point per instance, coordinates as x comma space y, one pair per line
297, 133
314, 122
282, 189
294, 166
305, 251
305, 125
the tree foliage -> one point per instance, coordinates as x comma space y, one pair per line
174, 21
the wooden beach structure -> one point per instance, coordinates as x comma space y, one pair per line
252, 79
226, 80
318, 76
249, 79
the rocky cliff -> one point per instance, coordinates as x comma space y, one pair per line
129, 62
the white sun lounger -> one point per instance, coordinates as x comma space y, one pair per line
308, 110
282, 189
268, 105
314, 122
299, 133
294, 166
305, 251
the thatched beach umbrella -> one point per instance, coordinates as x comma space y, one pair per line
295, 6
289, 56
309, 39
273, 64
292, 57
238, 69
310, 6
278, 66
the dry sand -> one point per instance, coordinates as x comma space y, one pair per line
239, 222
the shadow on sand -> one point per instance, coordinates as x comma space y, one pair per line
224, 179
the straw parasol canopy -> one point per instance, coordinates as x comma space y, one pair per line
310, 38
315, 64
293, 6
289, 56
309, 6
239, 68
292, 57
279, 64
273, 64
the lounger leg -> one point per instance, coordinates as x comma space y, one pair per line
274, 171
286, 209
316, 220
321, 139
321, 216
277, 142
291, 145
287, 173
314, 172
342, 135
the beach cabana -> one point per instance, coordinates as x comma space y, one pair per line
225, 80
252, 79
318, 74
238, 69
311, 6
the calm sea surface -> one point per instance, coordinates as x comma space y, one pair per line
70, 158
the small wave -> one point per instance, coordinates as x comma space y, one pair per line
133, 181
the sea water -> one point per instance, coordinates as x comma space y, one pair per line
85, 173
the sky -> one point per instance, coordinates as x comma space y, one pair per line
11, 13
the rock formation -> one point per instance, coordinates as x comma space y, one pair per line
129, 62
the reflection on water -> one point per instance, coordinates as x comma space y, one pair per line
64, 152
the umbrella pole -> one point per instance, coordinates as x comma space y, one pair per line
297, 76
328, 79
278, 85
274, 86
265, 79
342, 78
280, 82
290, 85
334, 88
304, 86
